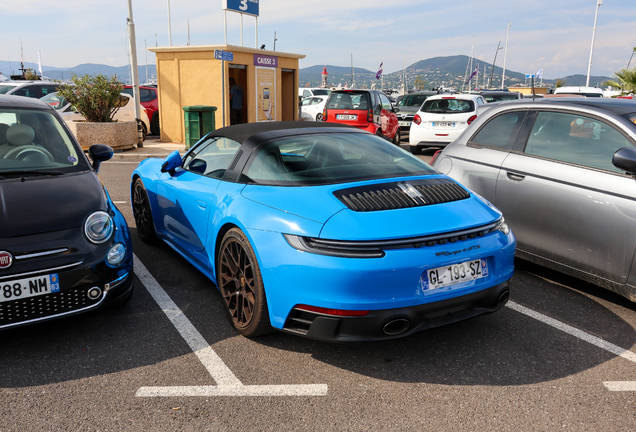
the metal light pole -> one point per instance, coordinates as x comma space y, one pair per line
169, 26
135, 73
589, 67
503, 76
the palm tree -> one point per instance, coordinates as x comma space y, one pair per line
624, 79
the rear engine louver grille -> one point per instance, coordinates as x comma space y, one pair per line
398, 195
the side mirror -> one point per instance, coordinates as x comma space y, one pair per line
100, 153
396, 109
625, 159
171, 163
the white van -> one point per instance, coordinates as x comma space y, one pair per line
582, 91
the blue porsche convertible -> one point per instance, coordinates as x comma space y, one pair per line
326, 231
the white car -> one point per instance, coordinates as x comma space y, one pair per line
125, 112
311, 108
305, 92
441, 119
582, 91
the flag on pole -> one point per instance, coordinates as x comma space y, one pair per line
40, 65
539, 74
377, 75
472, 75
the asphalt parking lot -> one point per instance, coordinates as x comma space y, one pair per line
561, 356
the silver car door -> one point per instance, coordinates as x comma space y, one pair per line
565, 201
475, 163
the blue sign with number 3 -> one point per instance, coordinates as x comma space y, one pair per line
249, 7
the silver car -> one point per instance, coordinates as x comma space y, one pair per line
562, 172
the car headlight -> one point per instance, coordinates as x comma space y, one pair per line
502, 226
116, 254
98, 227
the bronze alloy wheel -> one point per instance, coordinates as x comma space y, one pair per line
141, 212
241, 285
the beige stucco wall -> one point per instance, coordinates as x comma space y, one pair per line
192, 76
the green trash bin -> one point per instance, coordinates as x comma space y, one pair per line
199, 121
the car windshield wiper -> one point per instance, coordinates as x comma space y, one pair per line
30, 172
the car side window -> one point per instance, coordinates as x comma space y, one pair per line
575, 139
306, 93
386, 103
500, 131
306, 102
28, 91
211, 158
48, 89
145, 95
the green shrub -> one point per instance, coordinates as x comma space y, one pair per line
97, 98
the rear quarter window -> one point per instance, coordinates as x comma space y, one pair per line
500, 131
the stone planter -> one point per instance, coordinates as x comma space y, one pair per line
118, 135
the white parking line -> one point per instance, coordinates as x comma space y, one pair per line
227, 383
607, 346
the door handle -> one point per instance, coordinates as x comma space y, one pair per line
514, 176
202, 205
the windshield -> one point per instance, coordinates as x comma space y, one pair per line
500, 97
55, 100
35, 140
331, 158
6, 88
412, 100
449, 106
349, 100
322, 92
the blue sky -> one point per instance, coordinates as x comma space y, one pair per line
551, 34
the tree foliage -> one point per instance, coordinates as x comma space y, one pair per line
420, 83
97, 98
559, 83
30, 75
623, 79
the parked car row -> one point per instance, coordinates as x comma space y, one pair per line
44, 89
258, 207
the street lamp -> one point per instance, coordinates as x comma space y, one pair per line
589, 67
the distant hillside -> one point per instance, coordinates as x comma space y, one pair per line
122, 72
437, 71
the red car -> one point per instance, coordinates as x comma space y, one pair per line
370, 110
148, 99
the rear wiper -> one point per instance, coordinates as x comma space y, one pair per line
37, 172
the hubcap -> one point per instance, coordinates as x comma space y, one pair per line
237, 283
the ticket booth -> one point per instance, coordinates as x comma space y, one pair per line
191, 75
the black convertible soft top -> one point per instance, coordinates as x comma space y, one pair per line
240, 133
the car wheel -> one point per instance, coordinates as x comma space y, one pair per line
142, 213
379, 133
154, 124
239, 280
397, 138
416, 150
144, 131
319, 117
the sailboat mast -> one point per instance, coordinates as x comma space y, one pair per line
503, 76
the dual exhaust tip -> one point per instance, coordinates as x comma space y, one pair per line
398, 326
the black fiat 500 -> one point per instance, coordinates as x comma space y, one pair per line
64, 246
